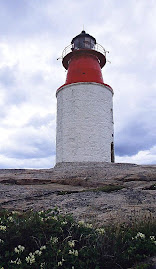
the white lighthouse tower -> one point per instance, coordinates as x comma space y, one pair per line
84, 105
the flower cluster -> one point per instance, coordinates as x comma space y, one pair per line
73, 252
10, 218
15, 212
64, 222
3, 228
87, 225
31, 258
41, 212
71, 243
54, 218
42, 248
60, 263
100, 230
38, 252
17, 261
19, 249
81, 223
152, 238
140, 235
54, 240
42, 265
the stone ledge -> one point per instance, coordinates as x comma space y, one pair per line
80, 189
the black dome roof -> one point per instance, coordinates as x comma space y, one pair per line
83, 34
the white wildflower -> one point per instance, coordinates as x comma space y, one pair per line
40, 212
17, 261
54, 218
14, 212
140, 235
64, 223
60, 263
89, 225
100, 230
73, 252
19, 249
81, 222
42, 265
38, 252
3, 228
10, 219
71, 243
42, 247
152, 237
31, 258
54, 240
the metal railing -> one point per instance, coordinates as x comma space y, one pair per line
97, 47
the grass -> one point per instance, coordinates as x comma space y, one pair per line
49, 240
152, 187
106, 188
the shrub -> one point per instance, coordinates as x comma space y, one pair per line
48, 240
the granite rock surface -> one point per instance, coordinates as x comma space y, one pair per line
94, 192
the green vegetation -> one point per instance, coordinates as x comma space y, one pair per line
152, 187
66, 192
106, 188
49, 240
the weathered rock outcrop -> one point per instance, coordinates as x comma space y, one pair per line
95, 192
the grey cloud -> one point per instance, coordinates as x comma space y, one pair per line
24, 18
16, 97
8, 81
37, 78
7, 76
38, 150
29, 146
134, 137
3, 111
38, 120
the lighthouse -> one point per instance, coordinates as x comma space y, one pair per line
84, 131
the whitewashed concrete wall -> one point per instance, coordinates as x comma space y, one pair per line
84, 123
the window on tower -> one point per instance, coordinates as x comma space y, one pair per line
87, 43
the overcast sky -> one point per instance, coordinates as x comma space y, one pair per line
33, 34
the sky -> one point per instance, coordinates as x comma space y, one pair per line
33, 34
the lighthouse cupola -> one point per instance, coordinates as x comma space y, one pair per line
84, 105
83, 41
